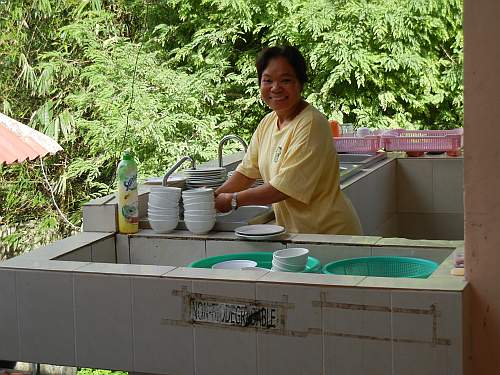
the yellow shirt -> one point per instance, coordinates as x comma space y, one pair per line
300, 160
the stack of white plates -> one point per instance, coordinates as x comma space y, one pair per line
163, 208
259, 232
290, 260
205, 177
199, 210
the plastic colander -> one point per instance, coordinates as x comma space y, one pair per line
382, 266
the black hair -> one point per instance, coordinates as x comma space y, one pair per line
290, 53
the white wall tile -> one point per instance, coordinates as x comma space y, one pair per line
448, 185
232, 247
46, 316
104, 251
164, 251
414, 185
427, 342
225, 350
103, 311
437, 255
100, 218
297, 349
122, 248
380, 203
163, 340
431, 226
83, 254
9, 334
357, 331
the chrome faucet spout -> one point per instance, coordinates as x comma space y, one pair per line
176, 166
224, 140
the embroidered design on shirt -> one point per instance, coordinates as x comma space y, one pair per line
277, 154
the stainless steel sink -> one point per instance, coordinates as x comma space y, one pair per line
365, 159
347, 170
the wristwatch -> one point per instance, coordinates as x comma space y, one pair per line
234, 202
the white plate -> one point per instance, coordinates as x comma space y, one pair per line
261, 237
236, 264
259, 230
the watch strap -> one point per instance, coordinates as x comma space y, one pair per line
234, 201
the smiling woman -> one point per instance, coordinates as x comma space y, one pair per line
293, 152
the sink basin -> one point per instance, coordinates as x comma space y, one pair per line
242, 216
347, 170
365, 159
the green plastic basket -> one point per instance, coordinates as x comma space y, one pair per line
264, 259
382, 266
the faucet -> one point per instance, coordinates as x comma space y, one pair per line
224, 140
176, 166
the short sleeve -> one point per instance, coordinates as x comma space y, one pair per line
303, 162
249, 166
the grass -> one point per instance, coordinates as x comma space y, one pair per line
93, 371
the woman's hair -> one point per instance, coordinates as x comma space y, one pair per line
290, 53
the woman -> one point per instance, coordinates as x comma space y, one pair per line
293, 152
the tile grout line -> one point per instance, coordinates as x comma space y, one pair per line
131, 289
19, 346
74, 316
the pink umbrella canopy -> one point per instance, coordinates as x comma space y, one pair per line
19, 142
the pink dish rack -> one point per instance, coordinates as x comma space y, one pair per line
354, 144
422, 140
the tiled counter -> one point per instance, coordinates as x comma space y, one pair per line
112, 301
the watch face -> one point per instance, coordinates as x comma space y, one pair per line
234, 203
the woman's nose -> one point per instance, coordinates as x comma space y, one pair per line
275, 86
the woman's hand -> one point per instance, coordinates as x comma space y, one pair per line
223, 202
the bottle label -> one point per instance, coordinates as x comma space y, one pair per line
130, 183
130, 213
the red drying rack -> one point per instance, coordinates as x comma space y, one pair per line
422, 140
353, 144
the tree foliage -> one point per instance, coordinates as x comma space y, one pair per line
168, 78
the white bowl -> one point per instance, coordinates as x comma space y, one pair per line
198, 192
159, 210
163, 226
236, 264
197, 199
161, 202
204, 217
209, 212
163, 205
203, 205
163, 198
292, 256
287, 267
199, 227
165, 216
166, 189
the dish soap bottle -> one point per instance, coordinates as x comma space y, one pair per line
128, 201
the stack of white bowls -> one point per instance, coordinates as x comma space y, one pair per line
199, 210
163, 208
290, 260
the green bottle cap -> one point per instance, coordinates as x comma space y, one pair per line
128, 155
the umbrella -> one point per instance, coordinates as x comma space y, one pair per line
19, 142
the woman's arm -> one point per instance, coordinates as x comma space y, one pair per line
237, 182
264, 194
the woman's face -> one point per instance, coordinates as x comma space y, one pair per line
279, 86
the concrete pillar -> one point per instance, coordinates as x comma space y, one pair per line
482, 182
